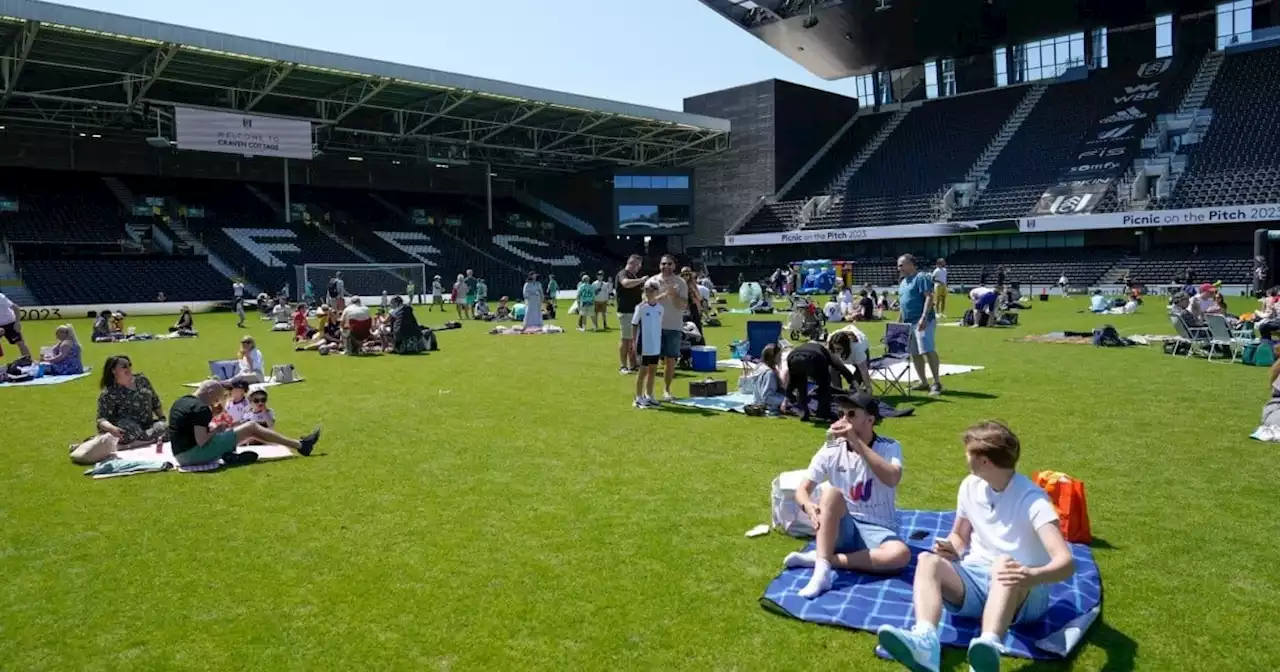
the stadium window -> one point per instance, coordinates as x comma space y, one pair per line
931, 79
622, 182
640, 182
886, 86
866, 90
1002, 66
678, 182
948, 67
1100, 59
1235, 23
658, 182
1164, 35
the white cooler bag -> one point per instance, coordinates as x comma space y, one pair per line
788, 518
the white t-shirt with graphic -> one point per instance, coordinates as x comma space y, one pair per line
239, 410
1005, 523
649, 318
865, 496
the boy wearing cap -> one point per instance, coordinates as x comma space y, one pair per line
857, 518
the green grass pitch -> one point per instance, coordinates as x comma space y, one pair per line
500, 505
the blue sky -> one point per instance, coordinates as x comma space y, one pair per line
652, 52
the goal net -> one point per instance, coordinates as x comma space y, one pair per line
365, 280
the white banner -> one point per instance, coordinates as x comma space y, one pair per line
1235, 214
868, 233
247, 134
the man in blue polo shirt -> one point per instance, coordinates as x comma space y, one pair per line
915, 293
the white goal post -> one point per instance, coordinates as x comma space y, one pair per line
365, 280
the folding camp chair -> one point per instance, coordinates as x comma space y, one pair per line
893, 376
1192, 336
1220, 335
761, 333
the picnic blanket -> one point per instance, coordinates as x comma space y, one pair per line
888, 372
146, 460
736, 402
271, 382
48, 380
865, 602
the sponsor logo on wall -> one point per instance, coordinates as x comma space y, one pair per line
1109, 145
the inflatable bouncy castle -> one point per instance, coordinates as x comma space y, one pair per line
818, 276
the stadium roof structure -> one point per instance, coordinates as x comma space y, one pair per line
85, 69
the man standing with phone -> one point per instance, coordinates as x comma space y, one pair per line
630, 289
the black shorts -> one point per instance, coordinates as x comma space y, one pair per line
14, 336
649, 360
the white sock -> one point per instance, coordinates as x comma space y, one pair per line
925, 629
823, 577
991, 637
804, 559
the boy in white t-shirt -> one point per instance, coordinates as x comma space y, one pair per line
647, 319
1015, 552
857, 518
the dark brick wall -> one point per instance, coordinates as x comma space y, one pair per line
726, 184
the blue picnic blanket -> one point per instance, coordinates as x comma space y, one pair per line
736, 402
48, 380
865, 602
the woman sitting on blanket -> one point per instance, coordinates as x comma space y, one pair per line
330, 336
64, 358
117, 324
186, 325
129, 409
404, 330
768, 384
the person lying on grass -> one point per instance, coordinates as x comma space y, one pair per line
857, 518
1004, 552
196, 440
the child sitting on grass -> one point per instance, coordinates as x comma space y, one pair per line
1003, 554
237, 408
504, 311
648, 343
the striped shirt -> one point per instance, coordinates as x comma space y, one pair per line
865, 496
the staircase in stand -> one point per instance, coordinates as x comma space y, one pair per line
837, 185
978, 173
817, 156
1198, 90
270, 202
1119, 270
121, 192
11, 284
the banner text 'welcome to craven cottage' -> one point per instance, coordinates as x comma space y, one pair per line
249, 141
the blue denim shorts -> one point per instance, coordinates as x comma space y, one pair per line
977, 584
670, 343
859, 535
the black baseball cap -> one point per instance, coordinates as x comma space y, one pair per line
860, 400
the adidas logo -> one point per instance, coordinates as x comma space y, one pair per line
1127, 114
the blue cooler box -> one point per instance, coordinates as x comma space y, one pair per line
704, 358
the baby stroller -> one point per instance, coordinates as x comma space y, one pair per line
807, 320
689, 337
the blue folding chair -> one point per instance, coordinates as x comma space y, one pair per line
761, 333
896, 337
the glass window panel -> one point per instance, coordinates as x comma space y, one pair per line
622, 182
658, 182
678, 182
640, 182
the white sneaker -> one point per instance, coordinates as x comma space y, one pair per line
919, 653
640, 403
623, 371
666, 396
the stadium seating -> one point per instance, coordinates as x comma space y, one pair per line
1082, 266
1237, 162
935, 145
844, 150
1230, 263
60, 208
114, 280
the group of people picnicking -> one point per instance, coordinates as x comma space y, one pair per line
997, 563
207, 425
